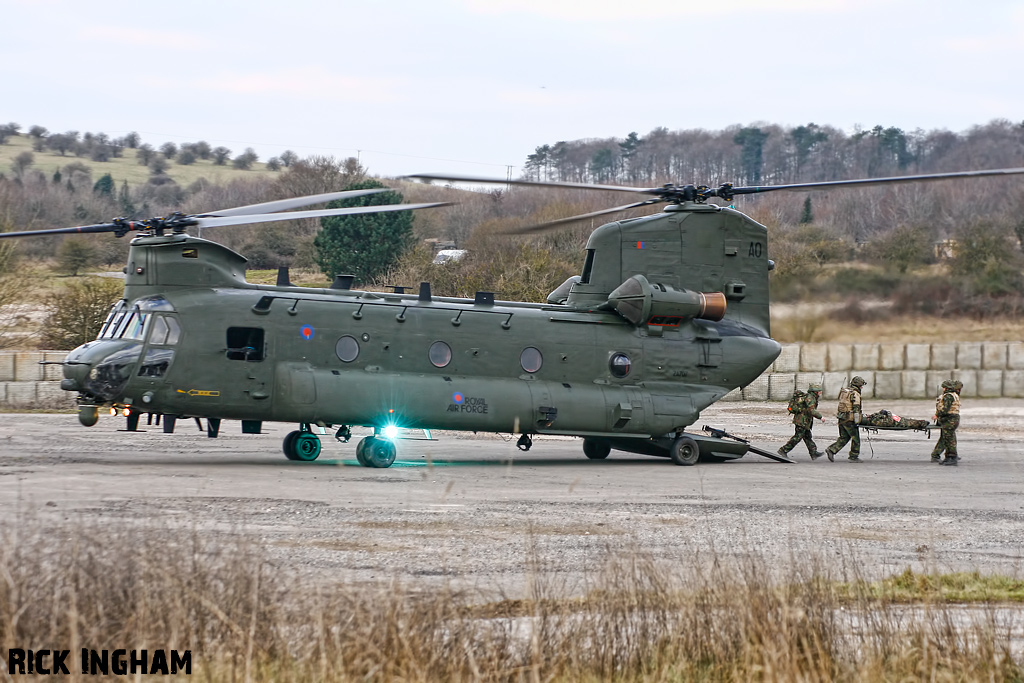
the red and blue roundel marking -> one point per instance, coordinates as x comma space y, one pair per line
457, 397
307, 332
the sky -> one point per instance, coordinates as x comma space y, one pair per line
474, 86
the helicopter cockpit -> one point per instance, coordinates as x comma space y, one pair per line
101, 369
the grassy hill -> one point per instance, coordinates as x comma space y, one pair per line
123, 168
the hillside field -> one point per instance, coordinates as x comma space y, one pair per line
126, 167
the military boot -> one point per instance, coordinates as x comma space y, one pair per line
951, 461
936, 458
831, 454
816, 454
854, 458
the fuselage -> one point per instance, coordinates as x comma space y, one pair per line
193, 338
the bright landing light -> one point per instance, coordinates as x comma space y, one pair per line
390, 432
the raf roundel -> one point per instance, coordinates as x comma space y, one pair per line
458, 397
307, 332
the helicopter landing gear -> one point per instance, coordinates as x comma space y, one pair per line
525, 442
596, 449
302, 445
684, 451
373, 451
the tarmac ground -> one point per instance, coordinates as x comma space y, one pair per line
473, 511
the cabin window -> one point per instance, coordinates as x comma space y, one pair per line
347, 349
245, 343
619, 365
588, 267
531, 359
440, 354
156, 362
164, 331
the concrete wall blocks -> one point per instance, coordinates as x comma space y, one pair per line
49, 395
6, 366
968, 356
840, 357
914, 384
1015, 356
27, 367
943, 357
757, 390
788, 360
53, 372
1013, 384
834, 381
813, 357
865, 356
919, 357
990, 383
21, 394
993, 355
781, 386
970, 380
734, 395
888, 384
805, 378
890, 356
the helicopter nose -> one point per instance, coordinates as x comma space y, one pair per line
99, 370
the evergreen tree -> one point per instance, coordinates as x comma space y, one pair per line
104, 186
752, 140
364, 245
808, 214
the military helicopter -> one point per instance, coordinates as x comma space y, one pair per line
669, 314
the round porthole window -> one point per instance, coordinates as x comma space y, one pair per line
531, 359
440, 354
619, 365
347, 349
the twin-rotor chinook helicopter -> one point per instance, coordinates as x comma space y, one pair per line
669, 314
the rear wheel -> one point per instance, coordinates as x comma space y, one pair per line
380, 452
361, 451
288, 446
306, 446
596, 449
684, 451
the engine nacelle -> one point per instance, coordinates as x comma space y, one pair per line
644, 303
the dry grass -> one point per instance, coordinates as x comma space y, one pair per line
819, 327
243, 618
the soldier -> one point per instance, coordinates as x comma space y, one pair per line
849, 416
947, 416
804, 409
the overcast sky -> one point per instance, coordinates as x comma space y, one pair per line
473, 86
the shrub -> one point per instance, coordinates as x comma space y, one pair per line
77, 312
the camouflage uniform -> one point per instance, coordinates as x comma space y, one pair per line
803, 418
947, 416
849, 416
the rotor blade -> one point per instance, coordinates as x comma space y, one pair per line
531, 183
217, 222
100, 227
878, 181
542, 227
294, 202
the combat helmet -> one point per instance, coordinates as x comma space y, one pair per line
857, 381
947, 384
814, 388
957, 385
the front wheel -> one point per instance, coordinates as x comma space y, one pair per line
379, 453
596, 449
684, 451
302, 446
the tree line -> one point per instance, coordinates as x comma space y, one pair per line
763, 154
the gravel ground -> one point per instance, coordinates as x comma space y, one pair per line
473, 512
